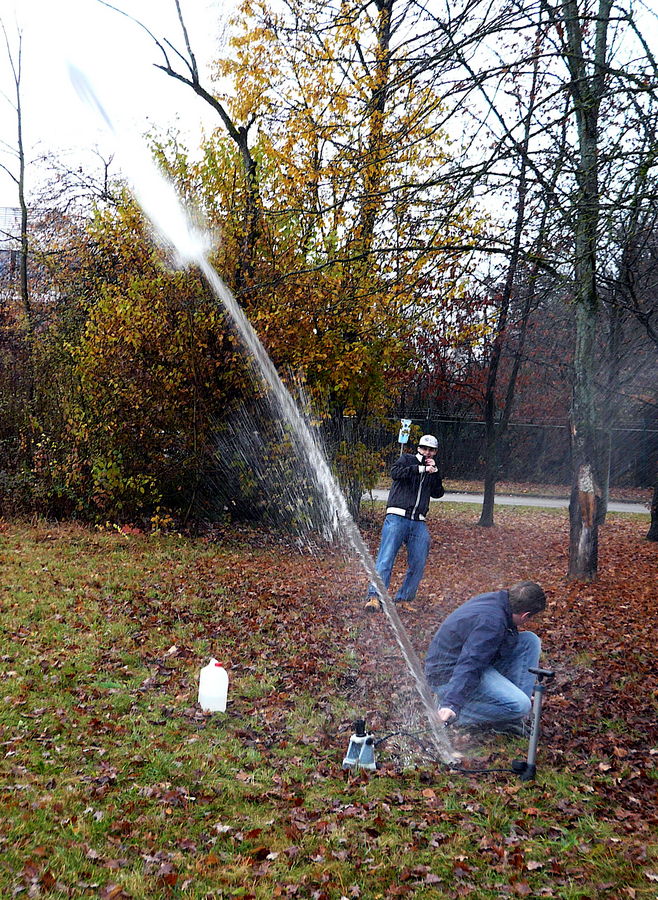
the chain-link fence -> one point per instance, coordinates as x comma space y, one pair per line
528, 451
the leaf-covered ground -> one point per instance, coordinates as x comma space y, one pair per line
114, 784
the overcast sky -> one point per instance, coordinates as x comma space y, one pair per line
117, 57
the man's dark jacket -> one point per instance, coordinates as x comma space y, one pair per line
411, 489
469, 640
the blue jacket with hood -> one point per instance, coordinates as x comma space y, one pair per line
469, 640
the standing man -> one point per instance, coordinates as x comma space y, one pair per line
478, 661
416, 478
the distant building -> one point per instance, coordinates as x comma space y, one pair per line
10, 229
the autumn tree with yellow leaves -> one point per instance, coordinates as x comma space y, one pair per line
357, 235
324, 190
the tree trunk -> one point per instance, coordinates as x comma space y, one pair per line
377, 149
15, 59
245, 265
585, 507
587, 90
490, 477
652, 534
25, 244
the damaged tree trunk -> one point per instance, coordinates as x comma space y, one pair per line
652, 534
586, 507
587, 88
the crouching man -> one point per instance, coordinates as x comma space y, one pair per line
478, 661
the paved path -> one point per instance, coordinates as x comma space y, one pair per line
503, 500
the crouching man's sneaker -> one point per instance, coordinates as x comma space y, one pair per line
515, 728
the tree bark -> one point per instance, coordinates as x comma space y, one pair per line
587, 88
652, 534
15, 59
376, 153
22, 202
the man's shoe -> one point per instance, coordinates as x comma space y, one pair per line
373, 604
405, 605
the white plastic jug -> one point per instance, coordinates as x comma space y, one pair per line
213, 687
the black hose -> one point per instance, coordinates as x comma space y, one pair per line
395, 733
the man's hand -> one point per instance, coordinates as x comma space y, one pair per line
430, 465
445, 714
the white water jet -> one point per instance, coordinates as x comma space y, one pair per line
160, 203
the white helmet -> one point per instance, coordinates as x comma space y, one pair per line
428, 440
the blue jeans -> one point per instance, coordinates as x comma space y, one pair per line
397, 531
504, 691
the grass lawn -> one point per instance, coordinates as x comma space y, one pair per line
115, 785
